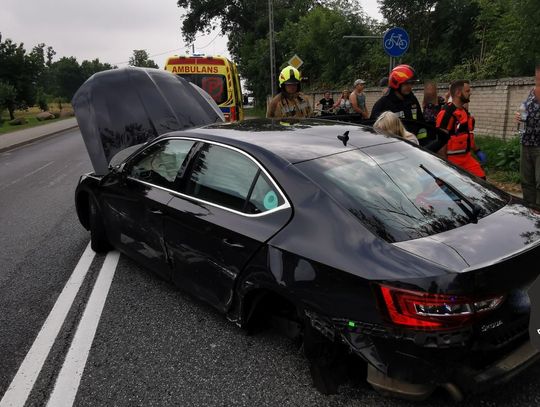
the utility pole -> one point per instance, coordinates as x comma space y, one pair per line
272, 51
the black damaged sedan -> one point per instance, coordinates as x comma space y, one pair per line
353, 242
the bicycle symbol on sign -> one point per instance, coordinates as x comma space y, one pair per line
395, 40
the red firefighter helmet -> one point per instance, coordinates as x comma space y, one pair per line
401, 74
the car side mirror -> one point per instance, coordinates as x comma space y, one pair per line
120, 170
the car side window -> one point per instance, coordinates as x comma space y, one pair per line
222, 176
161, 163
264, 196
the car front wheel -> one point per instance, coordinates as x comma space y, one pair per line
98, 237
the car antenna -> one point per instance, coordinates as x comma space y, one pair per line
344, 137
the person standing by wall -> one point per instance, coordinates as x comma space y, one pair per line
431, 106
343, 104
326, 103
358, 99
432, 103
530, 144
289, 102
400, 99
455, 120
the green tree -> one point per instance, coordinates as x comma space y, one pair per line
246, 24
507, 33
141, 58
323, 47
16, 70
442, 33
50, 55
67, 77
8, 95
41, 99
36, 66
88, 68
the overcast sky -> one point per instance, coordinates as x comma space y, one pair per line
109, 29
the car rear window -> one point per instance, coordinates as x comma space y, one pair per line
389, 190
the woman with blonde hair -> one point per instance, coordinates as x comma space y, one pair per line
390, 124
343, 105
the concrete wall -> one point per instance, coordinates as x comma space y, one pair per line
493, 102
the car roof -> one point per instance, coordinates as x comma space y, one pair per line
294, 140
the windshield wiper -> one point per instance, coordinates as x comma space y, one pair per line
474, 210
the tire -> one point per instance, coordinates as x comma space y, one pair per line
327, 361
98, 236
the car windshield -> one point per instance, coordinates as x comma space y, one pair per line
389, 190
214, 85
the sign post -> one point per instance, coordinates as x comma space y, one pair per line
395, 43
295, 61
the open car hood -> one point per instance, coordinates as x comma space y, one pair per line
120, 108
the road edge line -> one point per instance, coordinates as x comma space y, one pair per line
28, 372
69, 378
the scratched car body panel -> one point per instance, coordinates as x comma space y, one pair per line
351, 240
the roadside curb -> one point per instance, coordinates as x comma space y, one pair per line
37, 138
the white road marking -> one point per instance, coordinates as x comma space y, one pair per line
69, 377
23, 382
25, 176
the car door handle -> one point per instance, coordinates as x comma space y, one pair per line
232, 244
156, 211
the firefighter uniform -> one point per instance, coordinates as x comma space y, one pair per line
282, 105
460, 126
286, 104
405, 106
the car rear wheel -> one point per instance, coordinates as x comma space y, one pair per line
330, 364
98, 237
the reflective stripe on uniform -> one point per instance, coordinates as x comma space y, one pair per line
455, 152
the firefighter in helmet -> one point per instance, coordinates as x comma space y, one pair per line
289, 102
400, 99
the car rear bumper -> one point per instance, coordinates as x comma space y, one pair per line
473, 381
464, 380
423, 376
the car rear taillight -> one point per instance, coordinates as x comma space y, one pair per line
227, 117
420, 310
233, 114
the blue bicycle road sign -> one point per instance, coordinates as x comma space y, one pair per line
396, 41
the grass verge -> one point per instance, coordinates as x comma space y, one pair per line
30, 116
255, 112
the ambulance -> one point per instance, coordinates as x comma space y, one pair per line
217, 75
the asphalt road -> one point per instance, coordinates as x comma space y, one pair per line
154, 344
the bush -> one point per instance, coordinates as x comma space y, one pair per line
42, 100
503, 155
503, 158
508, 157
18, 121
42, 103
